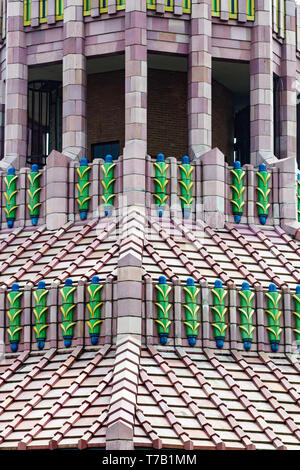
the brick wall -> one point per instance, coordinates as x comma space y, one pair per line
222, 119
167, 112
105, 108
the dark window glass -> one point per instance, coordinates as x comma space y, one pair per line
106, 148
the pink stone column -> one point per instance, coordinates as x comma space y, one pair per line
74, 138
288, 115
16, 86
261, 84
199, 79
135, 102
2, 110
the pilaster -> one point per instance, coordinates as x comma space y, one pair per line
288, 114
200, 79
74, 138
135, 102
261, 84
16, 86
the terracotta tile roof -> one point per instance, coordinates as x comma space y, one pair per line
161, 397
177, 250
179, 398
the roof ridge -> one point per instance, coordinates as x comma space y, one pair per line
232, 256
20, 416
256, 256
19, 388
168, 413
12, 368
264, 390
67, 394
240, 394
191, 404
146, 425
221, 406
206, 256
291, 389
278, 254
77, 414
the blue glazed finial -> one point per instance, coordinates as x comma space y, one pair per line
41, 285
160, 157
83, 162
14, 346
95, 280
192, 340
247, 345
190, 281
263, 219
262, 167
219, 343
218, 284
94, 339
108, 159
162, 280
185, 159
11, 171
272, 288
237, 165
274, 346
35, 168
298, 290
298, 177
68, 282
67, 341
245, 286
163, 339
40, 343
15, 287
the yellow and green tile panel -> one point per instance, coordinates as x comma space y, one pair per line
169, 5
43, 11
233, 9
103, 4
59, 11
27, 12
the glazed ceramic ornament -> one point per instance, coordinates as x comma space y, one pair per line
219, 313
14, 316
246, 313
10, 196
108, 182
161, 182
263, 192
237, 193
163, 308
297, 315
94, 308
186, 184
40, 313
83, 187
34, 194
274, 314
191, 311
67, 310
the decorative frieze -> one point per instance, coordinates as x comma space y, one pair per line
34, 194
273, 314
163, 309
